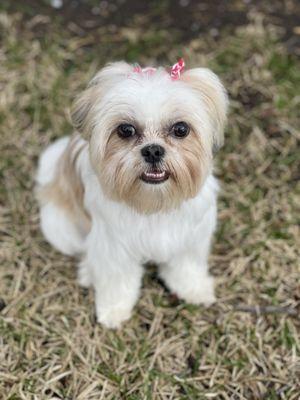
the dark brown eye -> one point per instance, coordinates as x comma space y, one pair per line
126, 131
180, 129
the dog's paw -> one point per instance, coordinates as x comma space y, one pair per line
83, 276
113, 317
201, 292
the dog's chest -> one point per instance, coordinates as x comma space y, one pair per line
158, 237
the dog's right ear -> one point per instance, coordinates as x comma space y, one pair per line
208, 86
84, 105
81, 109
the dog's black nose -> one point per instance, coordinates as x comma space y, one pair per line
153, 153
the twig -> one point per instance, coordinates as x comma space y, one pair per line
266, 310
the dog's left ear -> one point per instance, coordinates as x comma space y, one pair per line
214, 96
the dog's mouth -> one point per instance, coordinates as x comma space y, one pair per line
155, 176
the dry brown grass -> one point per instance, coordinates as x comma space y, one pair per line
50, 345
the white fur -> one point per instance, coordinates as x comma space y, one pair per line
121, 240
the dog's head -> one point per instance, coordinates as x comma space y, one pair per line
151, 137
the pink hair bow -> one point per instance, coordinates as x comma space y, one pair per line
147, 70
175, 70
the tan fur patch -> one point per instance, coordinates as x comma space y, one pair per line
66, 190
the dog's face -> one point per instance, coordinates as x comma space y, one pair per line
151, 137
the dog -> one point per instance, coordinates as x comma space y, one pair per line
134, 183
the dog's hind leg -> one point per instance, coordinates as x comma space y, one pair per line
60, 192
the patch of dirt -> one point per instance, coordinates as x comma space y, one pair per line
187, 19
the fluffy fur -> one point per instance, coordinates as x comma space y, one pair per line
94, 204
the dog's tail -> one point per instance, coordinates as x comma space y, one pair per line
48, 161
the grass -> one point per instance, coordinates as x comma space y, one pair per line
50, 345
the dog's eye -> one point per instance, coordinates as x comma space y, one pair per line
180, 129
126, 130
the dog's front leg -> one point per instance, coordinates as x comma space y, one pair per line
187, 276
117, 286
186, 273
116, 278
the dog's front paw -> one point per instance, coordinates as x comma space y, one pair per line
112, 317
198, 292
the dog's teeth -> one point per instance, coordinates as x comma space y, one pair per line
155, 174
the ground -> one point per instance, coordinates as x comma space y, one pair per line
247, 345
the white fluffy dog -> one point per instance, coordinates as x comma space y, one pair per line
137, 184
